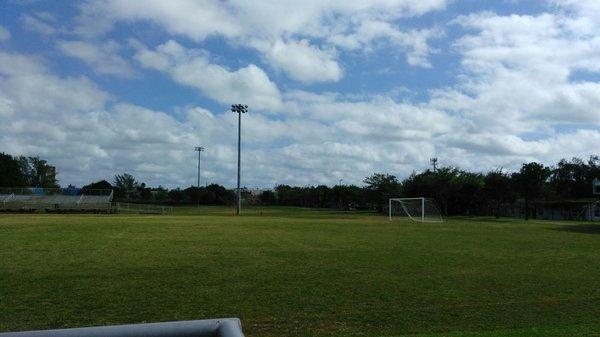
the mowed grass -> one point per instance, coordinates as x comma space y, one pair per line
301, 272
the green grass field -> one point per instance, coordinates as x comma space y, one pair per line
299, 272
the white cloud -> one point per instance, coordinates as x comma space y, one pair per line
203, 18
249, 84
414, 43
4, 34
301, 61
196, 19
67, 121
320, 139
30, 87
284, 32
526, 89
483, 151
6, 108
40, 22
517, 82
103, 58
517, 73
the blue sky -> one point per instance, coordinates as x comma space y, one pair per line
336, 89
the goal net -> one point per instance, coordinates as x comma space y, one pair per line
415, 209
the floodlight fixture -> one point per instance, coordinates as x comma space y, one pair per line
239, 108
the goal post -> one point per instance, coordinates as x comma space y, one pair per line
416, 209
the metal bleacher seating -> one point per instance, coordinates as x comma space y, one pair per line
56, 201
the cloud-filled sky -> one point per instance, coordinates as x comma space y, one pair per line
336, 89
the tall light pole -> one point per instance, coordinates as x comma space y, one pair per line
199, 149
340, 205
239, 109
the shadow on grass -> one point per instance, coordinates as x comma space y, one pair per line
579, 228
480, 219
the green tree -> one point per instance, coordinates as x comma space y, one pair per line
381, 187
267, 197
498, 188
572, 179
469, 194
441, 185
124, 184
284, 195
11, 174
38, 172
98, 185
144, 192
161, 194
530, 182
222, 195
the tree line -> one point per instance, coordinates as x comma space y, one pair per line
127, 188
457, 191
26, 172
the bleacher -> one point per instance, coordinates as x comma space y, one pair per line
69, 200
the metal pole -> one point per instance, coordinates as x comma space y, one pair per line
199, 149
340, 191
199, 152
423, 209
239, 109
199, 169
239, 192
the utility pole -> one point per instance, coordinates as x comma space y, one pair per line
340, 191
239, 109
433, 161
199, 149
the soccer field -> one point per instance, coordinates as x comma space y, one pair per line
300, 272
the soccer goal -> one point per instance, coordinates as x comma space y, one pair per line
415, 209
